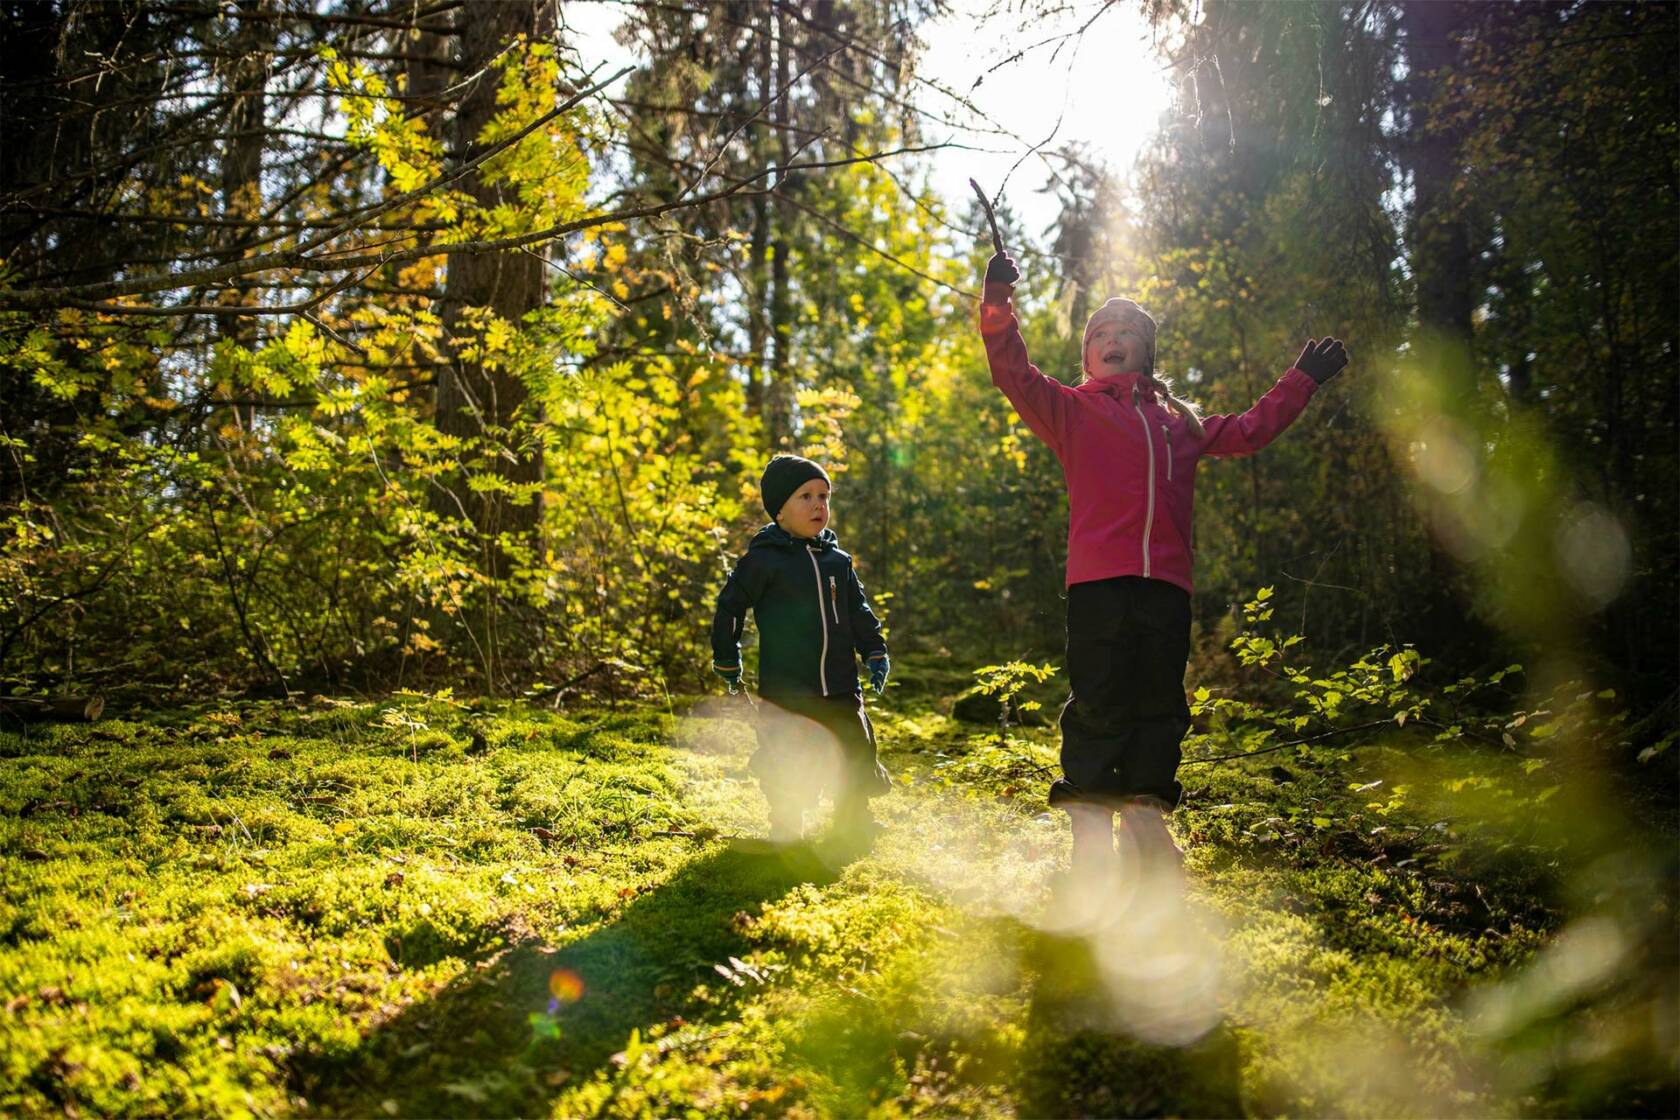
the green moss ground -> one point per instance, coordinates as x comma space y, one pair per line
414, 907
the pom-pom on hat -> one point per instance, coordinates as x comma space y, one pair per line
784, 475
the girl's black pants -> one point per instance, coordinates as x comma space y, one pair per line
1128, 643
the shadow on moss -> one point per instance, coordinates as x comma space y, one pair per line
1078, 1061
512, 1030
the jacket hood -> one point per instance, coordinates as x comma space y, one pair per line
1121, 386
774, 536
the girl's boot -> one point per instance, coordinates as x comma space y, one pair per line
1083, 897
1154, 863
1094, 860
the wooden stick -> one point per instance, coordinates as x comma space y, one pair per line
991, 219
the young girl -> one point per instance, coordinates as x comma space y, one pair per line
1128, 450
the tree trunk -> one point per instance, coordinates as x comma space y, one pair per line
1440, 238
778, 402
72, 709
241, 169
758, 316
758, 266
473, 401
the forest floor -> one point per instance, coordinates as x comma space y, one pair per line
419, 907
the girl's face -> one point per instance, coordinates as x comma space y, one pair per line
1115, 347
806, 513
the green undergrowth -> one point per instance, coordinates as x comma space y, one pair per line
417, 907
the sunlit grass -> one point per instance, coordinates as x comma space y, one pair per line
495, 910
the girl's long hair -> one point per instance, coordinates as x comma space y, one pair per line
1190, 414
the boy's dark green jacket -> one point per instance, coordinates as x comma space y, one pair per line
810, 611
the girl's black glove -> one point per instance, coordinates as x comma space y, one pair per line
1001, 269
1321, 359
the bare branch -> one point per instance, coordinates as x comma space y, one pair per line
27, 299
460, 172
293, 15
840, 228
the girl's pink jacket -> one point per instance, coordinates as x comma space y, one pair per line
1129, 461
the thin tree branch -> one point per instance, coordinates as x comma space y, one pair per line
1291, 743
27, 299
873, 248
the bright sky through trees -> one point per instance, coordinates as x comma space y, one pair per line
1048, 83
1087, 74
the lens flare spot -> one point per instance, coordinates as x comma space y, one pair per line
1442, 456
1594, 552
1502, 504
565, 985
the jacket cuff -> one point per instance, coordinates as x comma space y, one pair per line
1299, 378
997, 312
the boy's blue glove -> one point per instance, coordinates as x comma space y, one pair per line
879, 667
731, 675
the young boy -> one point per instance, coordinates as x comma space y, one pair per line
813, 732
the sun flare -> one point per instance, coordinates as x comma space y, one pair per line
1085, 76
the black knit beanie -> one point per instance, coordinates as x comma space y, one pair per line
784, 475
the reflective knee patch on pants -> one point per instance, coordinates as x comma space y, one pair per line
809, 746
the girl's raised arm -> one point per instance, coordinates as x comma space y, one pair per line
1320, 360
1044, 403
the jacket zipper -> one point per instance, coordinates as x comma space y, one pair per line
834, 599
822, 617
1167, 432
1149, 514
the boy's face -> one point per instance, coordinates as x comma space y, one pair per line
806, 513
1115, 347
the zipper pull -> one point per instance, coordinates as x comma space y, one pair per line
1166, 432
834, 599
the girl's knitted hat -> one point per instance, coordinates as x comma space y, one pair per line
1126, 312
